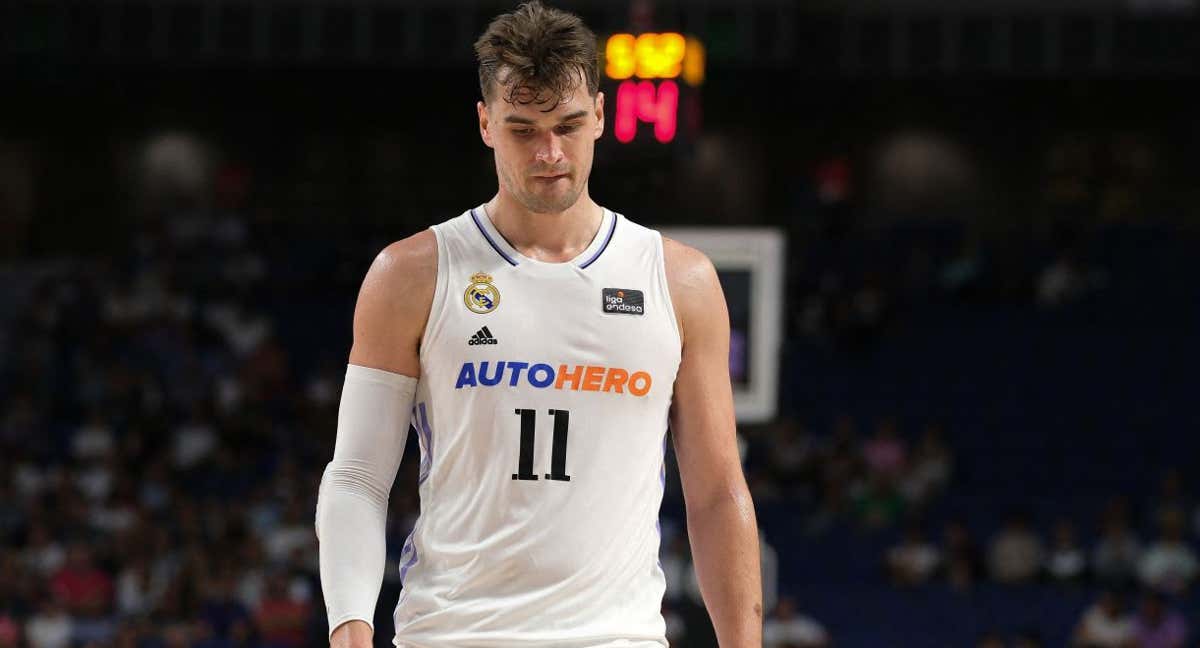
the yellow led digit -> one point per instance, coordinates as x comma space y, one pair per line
619, 56
659, 55
671, 48
693, 63
646, 51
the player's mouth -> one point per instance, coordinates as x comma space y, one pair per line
551, 178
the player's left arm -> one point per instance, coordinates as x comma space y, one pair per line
721, 523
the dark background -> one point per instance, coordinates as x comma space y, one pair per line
990, 304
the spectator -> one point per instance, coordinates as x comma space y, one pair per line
51, 626
769, 564
222, 612
193, 440
833, 508
202, 635
94, 627
962, 563
10, 632
1116, 557
293, 532
94, 439
1156, 626
676, 559
1172, 499
281, 619
1105, 624
81, 585
1169, 565
42, 554
1066, 280
788, 629
793, 454
914, 560
842, 459
932, 465
137, 591
1016, 554
1067, 561
879, 504
885, 453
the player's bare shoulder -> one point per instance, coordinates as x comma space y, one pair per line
692, 280
393, 305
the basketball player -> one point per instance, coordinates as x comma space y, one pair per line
539, 344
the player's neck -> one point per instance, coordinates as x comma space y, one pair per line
550, 237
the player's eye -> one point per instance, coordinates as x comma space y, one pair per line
522, 132
567, 128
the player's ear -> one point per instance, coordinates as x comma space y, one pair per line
484, 130
599, 115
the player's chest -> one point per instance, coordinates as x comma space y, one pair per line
617, 318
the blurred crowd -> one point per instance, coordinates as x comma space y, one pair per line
1114, 557
159, 458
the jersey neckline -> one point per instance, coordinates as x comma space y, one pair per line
600, 242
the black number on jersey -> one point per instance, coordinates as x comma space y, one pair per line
558, 450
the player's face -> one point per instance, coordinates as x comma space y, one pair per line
543, 151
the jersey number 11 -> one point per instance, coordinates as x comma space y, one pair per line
558, 453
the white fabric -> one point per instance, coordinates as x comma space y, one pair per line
539, 562
352, 500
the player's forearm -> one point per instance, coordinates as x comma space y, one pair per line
724, 539
351, 520
352, 499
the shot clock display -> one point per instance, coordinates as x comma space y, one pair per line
649, 68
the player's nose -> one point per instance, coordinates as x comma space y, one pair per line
550, 151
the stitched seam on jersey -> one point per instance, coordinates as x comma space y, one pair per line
409, 542
491, 242
428, 431
440, 289
426, 434
423, 467
607, 239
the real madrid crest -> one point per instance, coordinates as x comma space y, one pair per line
481, 296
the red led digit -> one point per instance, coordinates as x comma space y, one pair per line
625, 121
646, 101
667, 109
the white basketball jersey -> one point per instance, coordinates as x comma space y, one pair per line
542, 412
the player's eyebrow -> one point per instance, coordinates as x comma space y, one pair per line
513, 119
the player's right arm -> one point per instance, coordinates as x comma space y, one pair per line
389, 318
393, 305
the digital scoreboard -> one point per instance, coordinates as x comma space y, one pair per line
653, 71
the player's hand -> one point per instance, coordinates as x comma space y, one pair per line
352, 634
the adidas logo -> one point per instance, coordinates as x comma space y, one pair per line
482, 336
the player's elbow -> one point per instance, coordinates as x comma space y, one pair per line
726, 497
349, 478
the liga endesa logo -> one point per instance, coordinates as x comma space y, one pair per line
543, 376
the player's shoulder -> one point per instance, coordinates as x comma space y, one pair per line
687, 268
694, 287
402, 275
393, 305
408, 261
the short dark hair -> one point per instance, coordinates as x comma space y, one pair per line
544, 50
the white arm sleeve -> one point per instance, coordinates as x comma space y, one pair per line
352, 499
